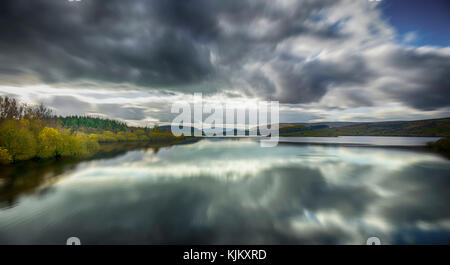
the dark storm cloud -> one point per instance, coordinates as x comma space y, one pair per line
431, 82
147, 43
101, 40
261, 84
247, 47
308, 82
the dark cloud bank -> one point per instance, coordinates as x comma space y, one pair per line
212, 46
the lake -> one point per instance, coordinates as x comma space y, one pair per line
363, 140
232, 191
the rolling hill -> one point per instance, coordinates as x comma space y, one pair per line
429, 128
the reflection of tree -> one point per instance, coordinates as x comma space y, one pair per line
30, 177
155, 150
26, 177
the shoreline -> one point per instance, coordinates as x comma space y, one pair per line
105, 148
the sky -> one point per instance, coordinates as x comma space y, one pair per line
419, 22
323, 60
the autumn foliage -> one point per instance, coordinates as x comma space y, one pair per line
28, 132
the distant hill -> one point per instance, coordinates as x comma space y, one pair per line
426, 128
429, 128
328, 124
196, 130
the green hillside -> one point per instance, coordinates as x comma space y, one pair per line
429, 128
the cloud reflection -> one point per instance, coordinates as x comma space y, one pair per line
230, 192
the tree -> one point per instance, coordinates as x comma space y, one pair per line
51, 143
107, 136
5, 158
10, 109
92, 143
91, 124
155, 128
71, 146
121, 136
141, 135
18, 140
132, 136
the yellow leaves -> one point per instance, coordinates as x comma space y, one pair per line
18, 140
91, 144
5, 157
140, 134
51, 143
108, 136
28, 138
24, 122
78, 145
132, 136
25, 139
72, 146
121, 136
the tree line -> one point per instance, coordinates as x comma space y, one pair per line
92, 124
28, 132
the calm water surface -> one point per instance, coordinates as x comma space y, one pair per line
364, 140
231, 192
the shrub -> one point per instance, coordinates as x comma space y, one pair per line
442, 145
50, 143
5, 158
18, 140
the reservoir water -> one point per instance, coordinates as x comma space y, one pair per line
225, 191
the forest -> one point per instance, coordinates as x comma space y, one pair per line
34, 132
